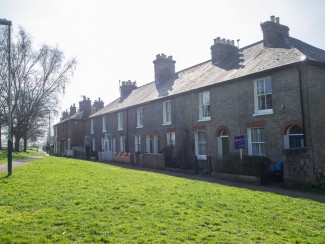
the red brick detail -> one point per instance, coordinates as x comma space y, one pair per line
156, 133
170, 130
258, 123
220, 128
289, 123
200, 127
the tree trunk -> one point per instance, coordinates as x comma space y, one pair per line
17, 140
25, 144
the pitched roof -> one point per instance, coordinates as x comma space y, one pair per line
248, 60
77, 115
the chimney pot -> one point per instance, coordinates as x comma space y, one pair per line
277, 20
272, 18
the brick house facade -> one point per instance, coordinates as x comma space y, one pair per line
70, 132
271, 92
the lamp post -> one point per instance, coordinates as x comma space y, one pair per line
49, 133
8, 23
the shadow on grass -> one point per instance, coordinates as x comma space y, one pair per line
318, 196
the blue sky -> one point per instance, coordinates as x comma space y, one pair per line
118, 39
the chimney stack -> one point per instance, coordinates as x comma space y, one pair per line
221, 49
98, 104
274, 34
164, 67
73, 109
65, 115
126, 87
85, 106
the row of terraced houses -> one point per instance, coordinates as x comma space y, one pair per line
265, 98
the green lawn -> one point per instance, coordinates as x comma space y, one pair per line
31, 152
72, 201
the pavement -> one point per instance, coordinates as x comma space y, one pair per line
17, 163
272, 188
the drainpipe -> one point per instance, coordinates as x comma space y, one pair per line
302, 106
127, 131
303, 116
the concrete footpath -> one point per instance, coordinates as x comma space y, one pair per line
17, 163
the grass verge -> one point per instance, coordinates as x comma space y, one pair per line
72, 201
31, 152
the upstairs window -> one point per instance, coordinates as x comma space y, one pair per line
263, 96
294, 137
140, 117
120, 120
167, 113
204, 106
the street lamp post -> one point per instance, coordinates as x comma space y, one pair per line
8, 23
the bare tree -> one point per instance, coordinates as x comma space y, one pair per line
38, 78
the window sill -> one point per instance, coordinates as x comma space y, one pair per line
263, 112
201, 157
140, 126
120, 129
204, 119
166, 123
91, 132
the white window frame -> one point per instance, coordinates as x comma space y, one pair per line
287, 138
148, 143
122, 143
140, 117
204, 106
92, 126
137, 143
222, 136
198, 143
120, 121
155, 143
104, 124
260, 142
167, 113
263, 95
171, 138
94, 144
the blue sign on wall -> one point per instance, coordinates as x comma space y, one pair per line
239, 142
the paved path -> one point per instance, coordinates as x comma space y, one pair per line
17, 163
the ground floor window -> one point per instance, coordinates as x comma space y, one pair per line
122, 143
294, 137
200, 145
256, 141
171, 140
155, 143
149, 146
93, 144
223, 144
137, 143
